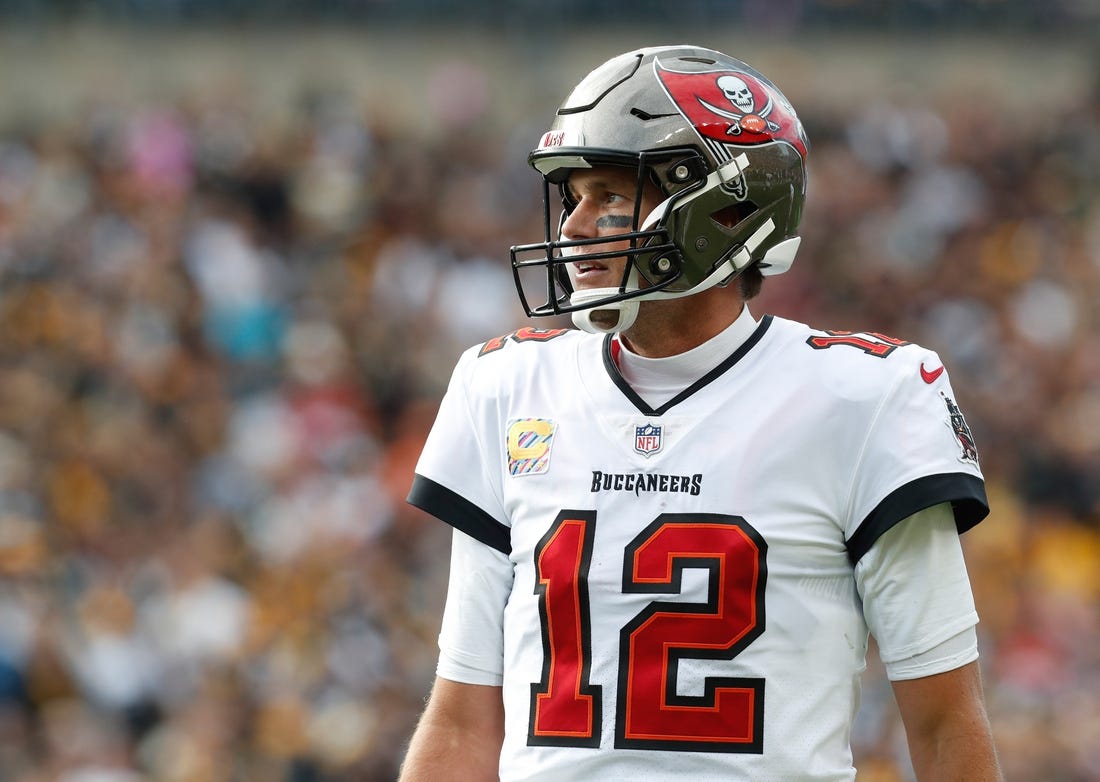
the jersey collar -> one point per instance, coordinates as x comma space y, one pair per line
740, 337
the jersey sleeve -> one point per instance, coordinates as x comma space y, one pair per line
457, 478
918, 452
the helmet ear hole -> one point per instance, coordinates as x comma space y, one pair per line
734, 214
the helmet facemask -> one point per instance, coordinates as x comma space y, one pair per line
653, 263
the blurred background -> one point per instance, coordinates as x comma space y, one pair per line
243, 243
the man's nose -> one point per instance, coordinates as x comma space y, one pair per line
579, 223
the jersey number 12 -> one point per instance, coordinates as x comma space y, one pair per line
566, 707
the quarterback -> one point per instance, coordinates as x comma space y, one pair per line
676, 525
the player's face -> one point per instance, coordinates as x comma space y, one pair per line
605, 206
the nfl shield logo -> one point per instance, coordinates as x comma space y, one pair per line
647, 439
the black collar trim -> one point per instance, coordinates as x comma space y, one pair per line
638, 402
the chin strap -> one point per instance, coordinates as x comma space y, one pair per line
609, 318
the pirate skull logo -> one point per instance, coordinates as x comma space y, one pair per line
731, 105
747, 118
737, 92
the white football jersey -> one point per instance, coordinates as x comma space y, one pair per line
683, 593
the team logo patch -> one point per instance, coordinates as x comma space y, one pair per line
969, 450
647, 439
529, 442
733, 107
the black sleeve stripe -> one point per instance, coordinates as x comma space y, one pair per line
966, 493
460, 513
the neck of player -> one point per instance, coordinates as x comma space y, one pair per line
674, 326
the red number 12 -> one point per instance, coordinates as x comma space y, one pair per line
566, 707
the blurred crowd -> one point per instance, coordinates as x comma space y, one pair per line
223, 337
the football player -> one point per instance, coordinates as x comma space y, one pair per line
676, 525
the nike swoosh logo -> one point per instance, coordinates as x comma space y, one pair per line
930, 377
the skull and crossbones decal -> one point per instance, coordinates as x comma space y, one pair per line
739, 94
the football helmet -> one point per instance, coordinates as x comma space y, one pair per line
719, 140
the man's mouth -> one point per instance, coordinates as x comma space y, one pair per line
587, 269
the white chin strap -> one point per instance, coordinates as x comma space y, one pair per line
609, 318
